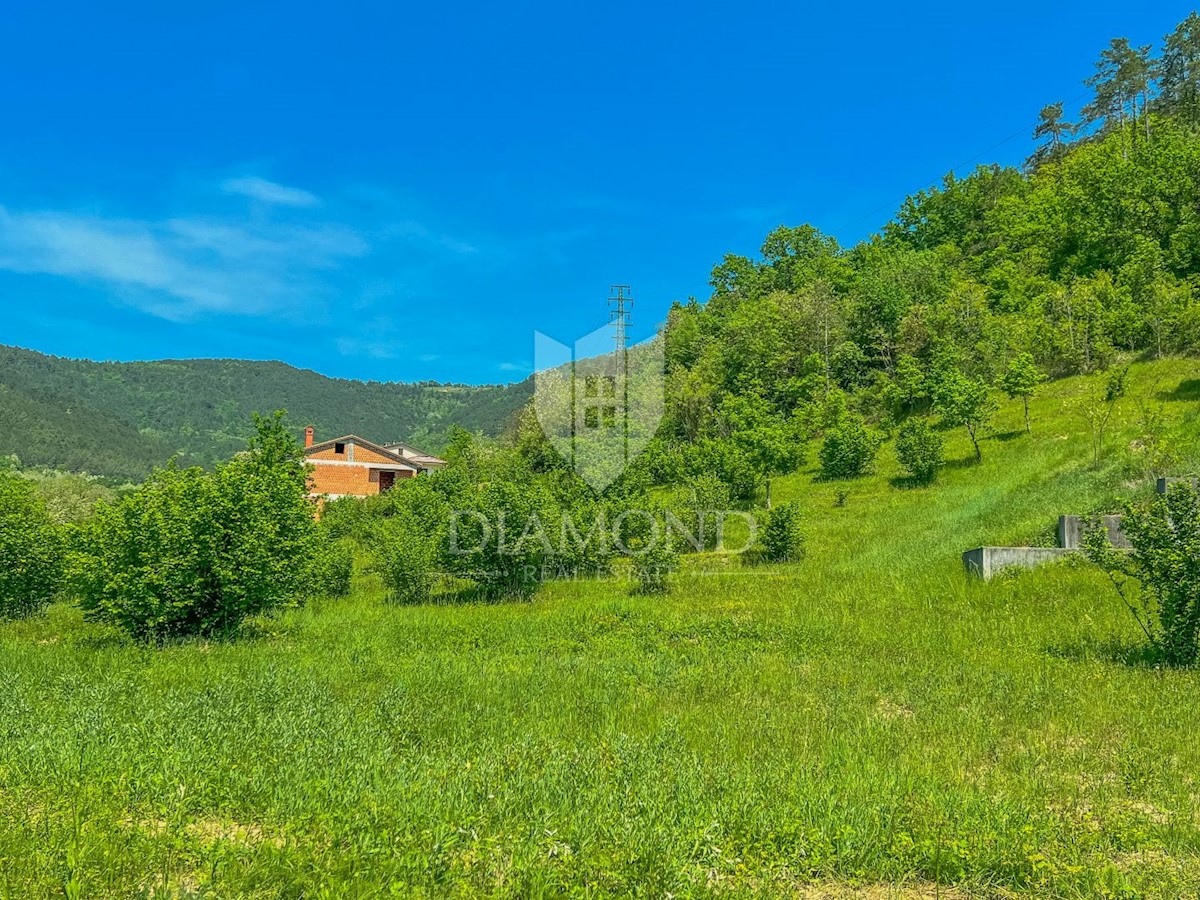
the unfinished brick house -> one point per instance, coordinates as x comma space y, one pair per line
351, 466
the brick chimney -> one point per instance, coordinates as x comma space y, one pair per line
308, 436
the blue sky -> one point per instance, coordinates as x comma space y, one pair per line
407, 191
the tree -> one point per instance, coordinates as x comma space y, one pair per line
192, 552
1052, 128
1021, 379
796, 257
500, 537
1159, 579
405, 557
965, 402
770, 442
30, 549
1179, 73
653, 560
919, 450
1097, 410
1122, 85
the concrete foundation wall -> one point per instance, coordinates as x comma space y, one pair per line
1072, 528
985, 562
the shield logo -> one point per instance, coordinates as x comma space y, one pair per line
599, 402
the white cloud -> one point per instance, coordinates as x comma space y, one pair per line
180, 267
269, 192
286, 263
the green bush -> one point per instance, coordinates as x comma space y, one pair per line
331, 568
699, 509
502, 539
782, 539
192, 552
347, 517
848, 450
30, 549
582, 541
1159, 578
919, 450
405, 557
653, 562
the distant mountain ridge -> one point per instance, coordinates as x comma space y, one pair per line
121, 419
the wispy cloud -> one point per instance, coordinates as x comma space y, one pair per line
270, 192
289, 262
180, 267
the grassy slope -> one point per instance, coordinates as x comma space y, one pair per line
871, 716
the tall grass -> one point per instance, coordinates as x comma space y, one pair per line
869, 717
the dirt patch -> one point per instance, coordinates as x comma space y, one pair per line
719, 883
212, 831
209, 831
880, 892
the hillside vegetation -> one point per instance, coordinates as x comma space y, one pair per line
122, 419
871, 717
1088, 255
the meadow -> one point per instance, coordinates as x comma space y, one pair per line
868, 722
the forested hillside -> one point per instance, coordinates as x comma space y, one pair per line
122, 419
986, 284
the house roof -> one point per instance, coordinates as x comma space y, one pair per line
363, 442
428, 460
417, 455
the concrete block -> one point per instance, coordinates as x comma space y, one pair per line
1164, 483
986, 562
1072, 528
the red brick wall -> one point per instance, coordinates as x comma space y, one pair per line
354, 480
357, 479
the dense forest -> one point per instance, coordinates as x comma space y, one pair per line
120, 420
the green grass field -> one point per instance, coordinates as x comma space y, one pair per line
870, 721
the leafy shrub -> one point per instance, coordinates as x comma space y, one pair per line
30, 549
848, 450
698, 511
782, 539
1164, 568
501, 539
192, 552
848, 364
405, 558
347, 517
331, 568
919, 450
653, 563
583, 541
726, 461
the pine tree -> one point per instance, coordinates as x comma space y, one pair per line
1179, 73
1055, 131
